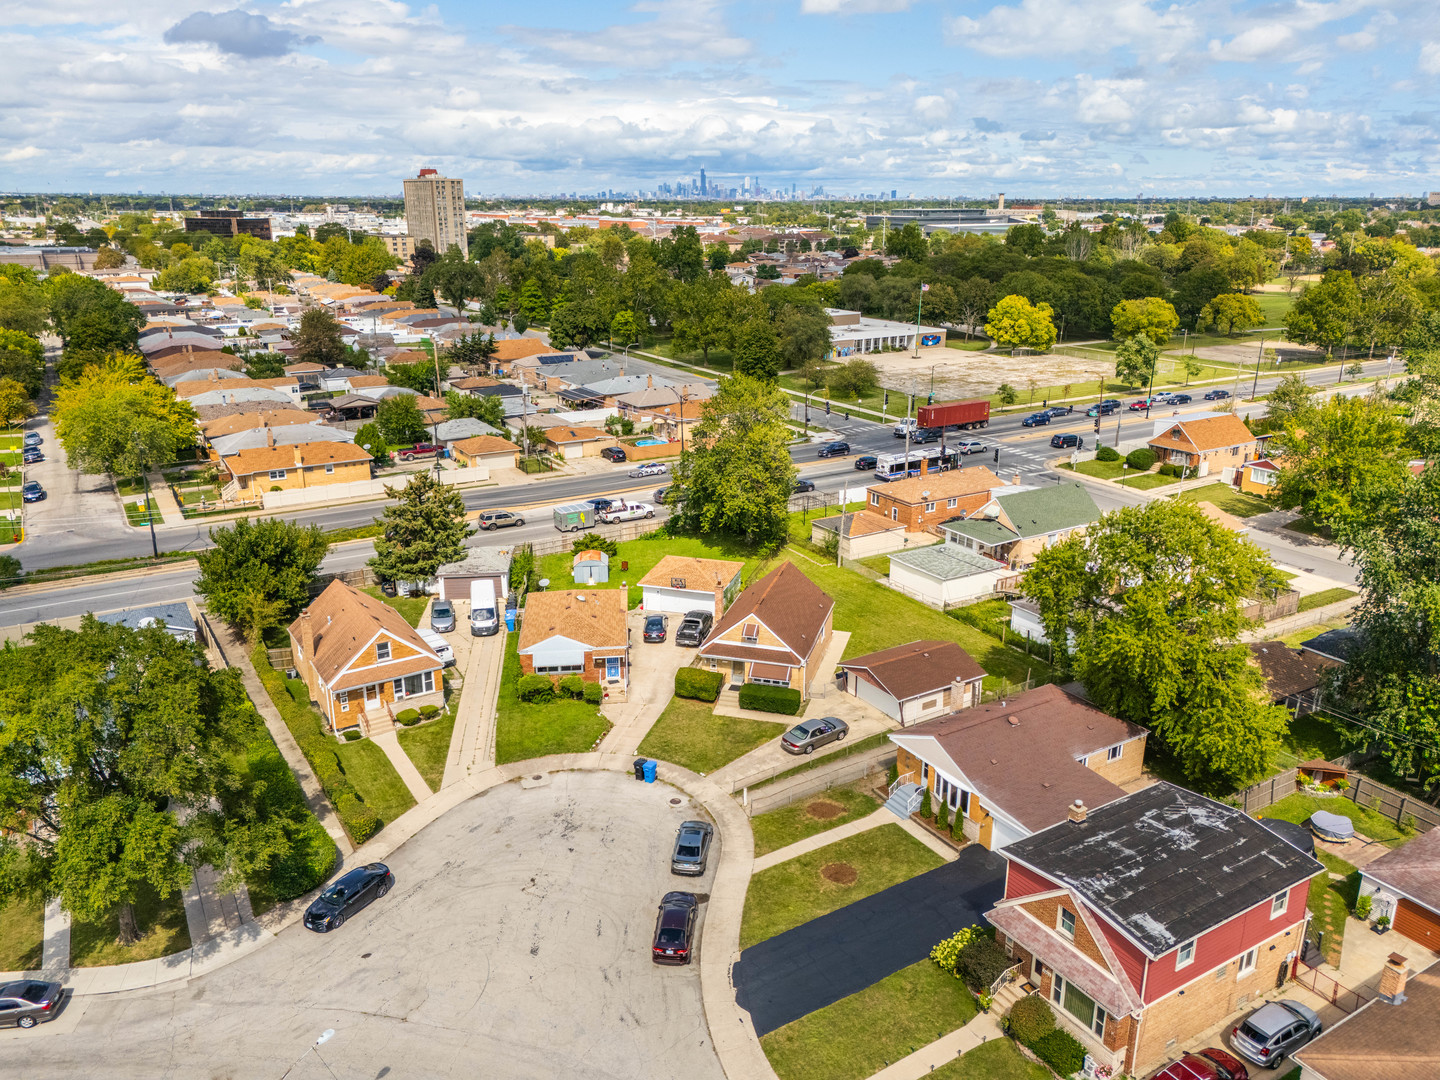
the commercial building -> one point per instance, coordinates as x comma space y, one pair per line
435, 211
228, 223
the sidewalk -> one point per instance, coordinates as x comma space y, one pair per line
811, 843
390, 743
472, 743
982, 1027
165, 504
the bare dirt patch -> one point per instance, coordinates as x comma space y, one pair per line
974, 374
824, 810
840, 873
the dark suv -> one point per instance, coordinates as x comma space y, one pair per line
694, 628
1217, 395
1063, 441
613, 453
834, 449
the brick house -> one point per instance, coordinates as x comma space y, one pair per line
489, 451
1152, 919
1014, 767
774, 633
1259, 476
302, 465
1206, 445
923, 502
361, 661
577, 632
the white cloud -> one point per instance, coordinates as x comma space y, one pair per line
1068, 27
852, 7
1254, 43
1430, 58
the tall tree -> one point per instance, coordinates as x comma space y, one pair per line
756, 348
489, 408
22, 358
15, 404
804, 335
1151, 316
1016, 322
317, 340
118, 421
258, 573
421, 531
400, 420
419, 376
1232, 312
23, 304
1135, 360
1325, 313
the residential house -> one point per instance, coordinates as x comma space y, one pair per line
1295, 678
913, 682
476, 386
681, 583
467, 427
774, 633
1206, 445
489, 451
1335, 645
577, 632
603, 393
1013, 528
671, 422
658, 397
306, 465
338, 378
946, 575
177, 620
575, 442
1152, 919
1258, 477
923, 502
1391, 1037
861, 534
241, 417
285, 435
492, 564
361, 660
1013, 767
307, 371
260, 397
1404, 884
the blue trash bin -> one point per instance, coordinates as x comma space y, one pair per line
650, 771
510, 620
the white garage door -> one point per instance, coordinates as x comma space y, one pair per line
872, 695
678, 601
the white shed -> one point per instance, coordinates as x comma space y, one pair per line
945, 575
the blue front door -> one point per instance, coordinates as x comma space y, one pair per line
612, 667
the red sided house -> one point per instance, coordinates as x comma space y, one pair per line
1151, 919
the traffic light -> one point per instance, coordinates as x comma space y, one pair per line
997, 455
1097, 425
827, 408
887, 399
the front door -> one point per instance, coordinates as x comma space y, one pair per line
737, 673
372, 695
612, 667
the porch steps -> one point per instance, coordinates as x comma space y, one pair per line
905, 800
1009, 994
377, 723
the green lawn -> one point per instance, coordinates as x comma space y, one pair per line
1238, 503
1299, 807
879, 563
163, 931
859, 1035
809, 816
1148, 480
1309, 738
22, 931
367, 767
1104, 470
1331, 900
411, 608
427, 745
998, 1059
524, 731
690, 735
797, 891
1325, 596
142, 516
972, 345
642, 555
1295, 637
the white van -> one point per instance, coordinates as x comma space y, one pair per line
484, 616
438, 645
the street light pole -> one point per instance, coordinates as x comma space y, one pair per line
1255, 385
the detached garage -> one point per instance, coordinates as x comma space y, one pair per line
1405, 884
915, 682
678, 584
492, 563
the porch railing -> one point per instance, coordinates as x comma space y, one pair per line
1006, 977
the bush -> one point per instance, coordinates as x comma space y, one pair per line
429, 712
537, 689
1140, 460
359, 820
981, 963
698, 685
940, 818
308, 861
593, 541
1169, 470
774, 699
927, 808
1030, 1020
353, 736
572, 686
1362, 908
1061, 1051
957, 827
408, 716
594, 692
947, 953
1106, 453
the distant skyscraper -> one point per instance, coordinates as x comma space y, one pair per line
435, 211
703, 188
892, 192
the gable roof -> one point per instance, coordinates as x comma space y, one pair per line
1288, 671
483, 444
860, 523
575, 434
703, 575
298, 456
593, 617
246, 419
1164, 865
785, 600
1032, 513
344, 621
1210, 433
916, 668
1413, 869
519, 348
1381, 1041
949, 484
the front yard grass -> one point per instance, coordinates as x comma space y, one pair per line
427, 746
1148, 480
1103, 470
858, 1035
411, 608
163, 931
367, 767
1299, 807
692, 736
1237, 503
642, 555
998, 1059
523, 730
1296, 637
1331, 900
797, 891
22, 932
809, 816
1325, 596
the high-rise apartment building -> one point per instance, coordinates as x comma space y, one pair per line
435, 211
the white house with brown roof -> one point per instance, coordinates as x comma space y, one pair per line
916, 681
774, 633
1206, 445
577, 632
679, 583
361, 661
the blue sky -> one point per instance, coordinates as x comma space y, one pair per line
1053, 98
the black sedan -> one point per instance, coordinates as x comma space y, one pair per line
834, 449
1217, 395
1036, 419
803, 485
675, 928
657, 627
32, 491
31, 456
352, 891
692, 848
29, 1002
866, 462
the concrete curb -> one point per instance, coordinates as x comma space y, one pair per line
114, 575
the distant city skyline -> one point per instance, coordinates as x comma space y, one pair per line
1053, 98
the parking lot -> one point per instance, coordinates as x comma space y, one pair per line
516, 943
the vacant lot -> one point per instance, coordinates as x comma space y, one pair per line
808, 817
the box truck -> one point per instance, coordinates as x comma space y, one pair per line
965, 415
484, 616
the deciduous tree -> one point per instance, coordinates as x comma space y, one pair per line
258, 573
317, 340
1325, 313
488, 408
400, 420
804, 335
1151, 316
1135, 360
1018, 323
118, 421
422, 530
419, 376
1232, 312
22, 358
756, 348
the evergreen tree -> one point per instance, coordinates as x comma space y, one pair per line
317, 341
424, 529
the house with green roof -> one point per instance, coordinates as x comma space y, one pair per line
1014, 528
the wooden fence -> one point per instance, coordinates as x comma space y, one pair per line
1287, 603
1363, 791
630, 530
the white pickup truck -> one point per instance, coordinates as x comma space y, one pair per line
905, 427
626, 511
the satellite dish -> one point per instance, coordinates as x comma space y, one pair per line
544, 582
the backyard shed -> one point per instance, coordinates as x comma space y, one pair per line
591, 568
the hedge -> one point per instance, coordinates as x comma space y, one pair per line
593, 693
981, 963
360, 821
408, 716
1169, 470
429, 712
1106, 453
697, 684
1061, 1051
536, 689
1030, 1020
775, 699
572, 686
1140, 459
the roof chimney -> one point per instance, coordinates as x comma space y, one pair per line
1392, 979
1078, 811
269, 435
307, 636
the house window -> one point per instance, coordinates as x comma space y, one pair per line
1077, 1003
1115, 753
382, 650
874, 498
924, 774
952, 504
563, 669
1247, 963
1067, 923
929, 507
411, 685
1186, 956
894, 513
277, 474
1099, 1025
1084, 760
1278, 903
750, 632
344, 698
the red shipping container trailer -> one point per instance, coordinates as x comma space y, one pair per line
966, 415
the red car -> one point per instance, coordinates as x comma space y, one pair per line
1207, 1064
1143, 403
419, 450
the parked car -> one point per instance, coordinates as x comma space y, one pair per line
32, 438
694, 628
657, 627
1217, 395
1274, 1030
352, 891
1210, 1064
32, 491
613, 453
926, 435
490, 520
1164, 397
626, 511
31, 455
442, 616
675, 928
1036, 420
419, 450
29, 1002
438, 645
692, 848
805, 736
803, 485
1064, 441
866, 462
1056, 411
659, 494
834, 449
1180, 399
650, 468
970, 446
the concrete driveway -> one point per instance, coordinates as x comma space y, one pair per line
652, 684
516, 944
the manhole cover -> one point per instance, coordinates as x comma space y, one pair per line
824, 810
674, 802
537, 776
840, 873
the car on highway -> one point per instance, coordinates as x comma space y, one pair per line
1143, 403
803, 486
805, 736
29, 1002
602, 504
692, 848
353, 891
866, 462
659, 494
613, 453
419, 450
650, 468
1217, 395
490, 520
1273, 1030
32, 491
1065, 441
1180, 399
926, 435
1038, 419
442, 616
1162, 397
32, 438
1056, 411
834, 449
1105, 408
31, 455
657, 628
1209, 1064
693, 628
970, 446
626, 511
675, 928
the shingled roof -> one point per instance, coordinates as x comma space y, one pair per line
788, 603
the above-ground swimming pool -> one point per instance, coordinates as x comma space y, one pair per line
651, 442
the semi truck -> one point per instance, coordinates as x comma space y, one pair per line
964, 415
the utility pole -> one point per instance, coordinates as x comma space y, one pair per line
1255, 385
919, 306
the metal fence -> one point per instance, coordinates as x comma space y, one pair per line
1342, 997
630, 530
824, 776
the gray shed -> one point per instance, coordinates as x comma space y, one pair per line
591, 568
